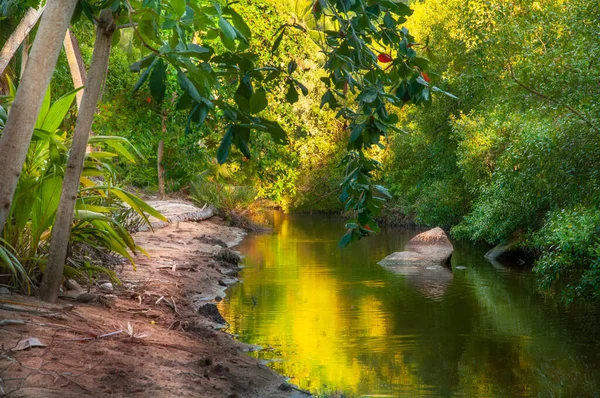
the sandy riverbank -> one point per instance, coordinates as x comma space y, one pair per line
150, 337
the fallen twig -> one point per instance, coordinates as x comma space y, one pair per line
96, 337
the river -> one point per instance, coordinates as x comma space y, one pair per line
335, 322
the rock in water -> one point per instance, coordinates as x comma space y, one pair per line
426, 249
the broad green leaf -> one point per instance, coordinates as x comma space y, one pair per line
277, 133
186, 85
227, 29
223, 151
178, 7
144, 76
58, 111
258, 101
346, 239
239, 23
292, 94
157, 82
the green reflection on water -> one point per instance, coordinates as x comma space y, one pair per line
335, 321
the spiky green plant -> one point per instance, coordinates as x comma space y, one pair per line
100, 205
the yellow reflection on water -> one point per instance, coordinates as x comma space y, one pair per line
335, 322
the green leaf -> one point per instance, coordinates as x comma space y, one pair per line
239, 23
226, 28
258, 101
157, 81
356, 132
302, 87
178, 7
196, 51
240, 138
292, 94
292, 66
143, 63
277, 41
116, 38
58, 111
144, 76
186, 85
223, 151
346, 239
44, 108
274, 129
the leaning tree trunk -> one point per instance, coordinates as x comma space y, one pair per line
18, 35
76, 65
77, 68
64, 217
30, 95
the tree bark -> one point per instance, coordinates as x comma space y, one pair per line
76, 65
77, 68
161, 170
24, 56
160, 155
30, 95
61, 230
16, 38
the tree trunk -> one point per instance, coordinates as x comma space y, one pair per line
16, 38
77, 68
30, 95
61, 230
76, 65
160, 155
161, 170
24, 57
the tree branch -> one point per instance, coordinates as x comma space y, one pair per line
547, 98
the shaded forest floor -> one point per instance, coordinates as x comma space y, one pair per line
152, 336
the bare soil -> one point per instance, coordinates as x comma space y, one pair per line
150, 337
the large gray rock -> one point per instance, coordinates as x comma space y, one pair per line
430, 248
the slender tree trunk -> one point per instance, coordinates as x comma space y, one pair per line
30, 95
77, 68
61, 230
18, 35
161, 170
76, 65
160, 155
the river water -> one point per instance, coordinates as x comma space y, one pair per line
335, 322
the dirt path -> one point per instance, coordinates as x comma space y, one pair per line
153, 336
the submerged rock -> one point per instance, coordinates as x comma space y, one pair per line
426, 249
432, 282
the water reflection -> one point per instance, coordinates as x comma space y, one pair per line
336, 321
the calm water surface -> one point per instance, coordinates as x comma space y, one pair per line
335, 322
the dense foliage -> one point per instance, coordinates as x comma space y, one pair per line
511, 153
518, 154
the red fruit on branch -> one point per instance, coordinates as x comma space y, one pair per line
384, 58
425, 77
148, 100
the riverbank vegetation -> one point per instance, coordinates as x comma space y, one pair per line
488, 112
